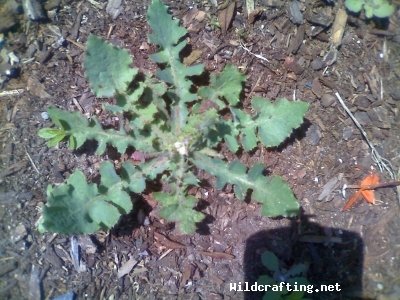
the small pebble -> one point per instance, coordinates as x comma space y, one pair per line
45, 115
191, 257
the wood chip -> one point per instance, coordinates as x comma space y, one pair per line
167, 242
34, 284
317, 88
297, 40
13, 168
338, 28
328, 188
328, 83
217, 255
36, 88
187, 274
127, 267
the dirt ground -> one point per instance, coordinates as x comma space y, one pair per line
283, 55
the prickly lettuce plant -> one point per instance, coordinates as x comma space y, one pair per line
377, 8
179, 127
283, 285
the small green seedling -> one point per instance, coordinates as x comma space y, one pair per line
377, 8
283, 285
174, 127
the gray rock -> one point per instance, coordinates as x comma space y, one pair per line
313, 135
114, 8
19, 233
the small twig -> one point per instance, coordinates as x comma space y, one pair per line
374, 186
382, 163
75, 43
78, 105
11, 93
165, 254
256, 55
110, 30
33, 164
254, 87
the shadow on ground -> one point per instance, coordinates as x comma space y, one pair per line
331, 256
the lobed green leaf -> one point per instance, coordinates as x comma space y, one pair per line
354, 5
167, 34
270, 260
76, 125
107, 67
48, 133
272, 124
76, 207
381, 8
225, 85
273, 192
179, 208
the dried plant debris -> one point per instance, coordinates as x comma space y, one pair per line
225, 17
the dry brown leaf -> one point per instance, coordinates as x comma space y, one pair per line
190, 16
254, 15
369, 194
36, 88
195, 55
192, 20
225, 17
200, 16
368, 181
217, 255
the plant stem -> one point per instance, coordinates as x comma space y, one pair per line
375, 186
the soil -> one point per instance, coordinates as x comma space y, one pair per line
283, 57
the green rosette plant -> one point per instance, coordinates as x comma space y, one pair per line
377, 8
165, 119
